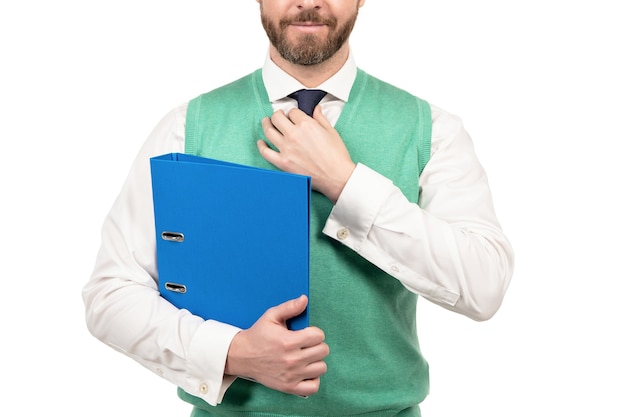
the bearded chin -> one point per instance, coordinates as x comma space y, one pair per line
308, 49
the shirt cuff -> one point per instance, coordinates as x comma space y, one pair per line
351, 221
357, 207
207, 359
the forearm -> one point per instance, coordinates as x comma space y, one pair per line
125, 311
449, 249
123, 306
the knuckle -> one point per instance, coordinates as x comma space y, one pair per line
313, 386
290, 362
289, 343
318, 333
323, 367
317, 330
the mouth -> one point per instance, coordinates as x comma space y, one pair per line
308, 21
308, 27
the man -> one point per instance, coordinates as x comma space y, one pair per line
373, 152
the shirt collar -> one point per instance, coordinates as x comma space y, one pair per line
279, 84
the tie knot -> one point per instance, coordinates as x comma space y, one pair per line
308, 99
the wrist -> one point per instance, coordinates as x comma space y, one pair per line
337, 185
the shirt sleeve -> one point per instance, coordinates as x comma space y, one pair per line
450, 248
122, 303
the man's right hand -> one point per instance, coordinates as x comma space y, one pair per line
279, 358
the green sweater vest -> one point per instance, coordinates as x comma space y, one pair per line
375, 365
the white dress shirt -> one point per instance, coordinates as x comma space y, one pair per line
450, 249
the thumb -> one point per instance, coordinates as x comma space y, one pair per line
319, 116
289, 309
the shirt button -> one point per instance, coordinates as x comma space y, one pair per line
159, 371
204, 388
343, 233
395, 268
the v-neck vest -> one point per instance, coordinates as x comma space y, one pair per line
369, 318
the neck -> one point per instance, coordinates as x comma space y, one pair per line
312, 76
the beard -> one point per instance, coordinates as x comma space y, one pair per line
308, 49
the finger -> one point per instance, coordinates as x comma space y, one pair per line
318, 115
291, 308
266, 152
315, 370
314, 355
271, 133
295, 115
307, 387
281, 121
311, 336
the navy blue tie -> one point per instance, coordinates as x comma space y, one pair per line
308, 99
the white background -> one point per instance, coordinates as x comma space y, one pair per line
540, 87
